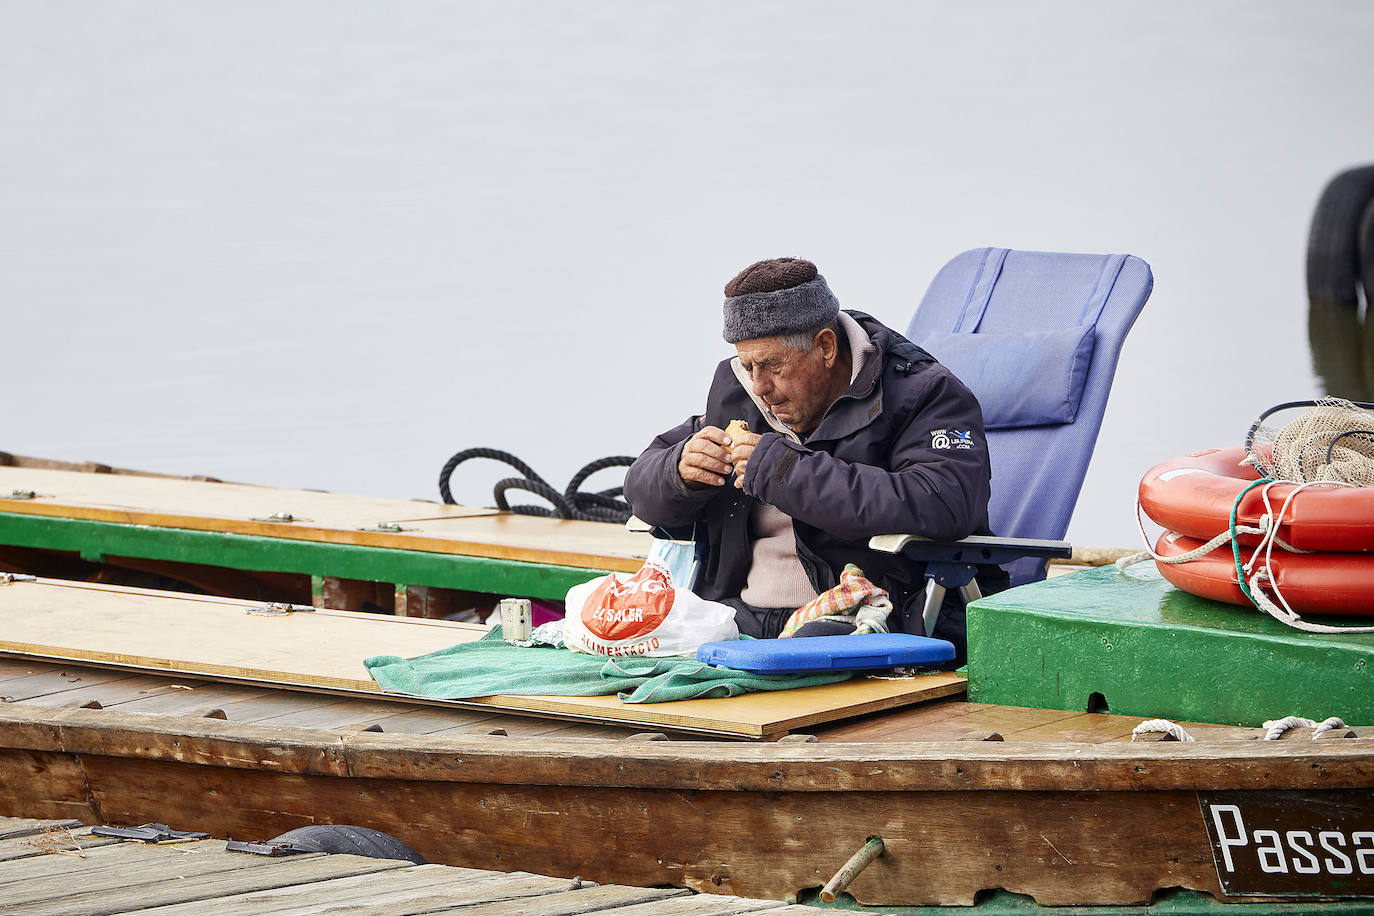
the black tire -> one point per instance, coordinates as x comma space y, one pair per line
343, 838
1367, 258
1333, 244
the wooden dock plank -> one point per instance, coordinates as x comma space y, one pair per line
413, 889
609, 899
15, 827
103, 861
191, 879
700, 905
158, 882
53, 839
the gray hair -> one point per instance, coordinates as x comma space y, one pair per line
805, 341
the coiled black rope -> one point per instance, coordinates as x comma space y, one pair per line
572, 503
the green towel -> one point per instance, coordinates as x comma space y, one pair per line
491, 666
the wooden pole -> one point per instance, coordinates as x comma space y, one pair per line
850, 870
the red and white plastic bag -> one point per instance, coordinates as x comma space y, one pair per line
642, 614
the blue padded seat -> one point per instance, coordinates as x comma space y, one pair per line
1036, 336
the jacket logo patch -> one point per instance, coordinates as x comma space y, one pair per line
944, 439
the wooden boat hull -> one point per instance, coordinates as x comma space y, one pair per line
1063, 823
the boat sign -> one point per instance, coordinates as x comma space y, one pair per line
1290, 844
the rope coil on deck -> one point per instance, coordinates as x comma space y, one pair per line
572, 503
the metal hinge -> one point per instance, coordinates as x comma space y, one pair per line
280, 517
389, 528
278, 609
22, 494
7, 578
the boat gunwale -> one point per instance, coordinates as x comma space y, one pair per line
699, 765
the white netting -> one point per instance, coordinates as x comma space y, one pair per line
1332, 442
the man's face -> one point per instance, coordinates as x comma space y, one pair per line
794, 384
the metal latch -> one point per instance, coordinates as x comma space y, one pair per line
280, 517
278, 609
149, 833
23, 494
389, 527
7, 578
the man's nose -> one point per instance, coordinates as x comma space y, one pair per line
762, 385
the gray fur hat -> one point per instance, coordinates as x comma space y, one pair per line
776, 297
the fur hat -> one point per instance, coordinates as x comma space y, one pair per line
776, 297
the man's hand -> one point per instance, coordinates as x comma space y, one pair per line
741, 447
705, 462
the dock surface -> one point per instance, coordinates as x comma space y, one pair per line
60, 868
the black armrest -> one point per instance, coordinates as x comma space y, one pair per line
974, 549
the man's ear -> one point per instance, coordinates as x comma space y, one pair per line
827, 345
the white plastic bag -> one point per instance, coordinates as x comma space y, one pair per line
642, 614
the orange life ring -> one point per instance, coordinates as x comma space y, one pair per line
1314, 583
1193, 495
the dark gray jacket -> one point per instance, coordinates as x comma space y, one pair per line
902, 451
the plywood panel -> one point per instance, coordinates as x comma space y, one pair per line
212, 636
329, 517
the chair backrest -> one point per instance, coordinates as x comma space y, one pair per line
1036, 336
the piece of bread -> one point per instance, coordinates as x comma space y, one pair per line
734, 428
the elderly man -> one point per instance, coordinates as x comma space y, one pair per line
853, 431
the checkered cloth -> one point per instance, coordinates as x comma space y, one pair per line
855, 600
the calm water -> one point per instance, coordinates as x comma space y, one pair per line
327, 244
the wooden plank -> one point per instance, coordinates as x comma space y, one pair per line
217, 637
163, 882
418, 889
199, 635
15, 827
1059, 846
117, 688
607, 898
45, 784
180, 696
1088, 727
327, 517
51, 682
11, 668
702, 905
132, 499
53, 841
47, 872
437, 720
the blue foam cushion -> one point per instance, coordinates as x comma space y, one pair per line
1021, 378
826, 653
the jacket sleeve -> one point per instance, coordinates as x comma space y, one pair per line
933, 482
655, 490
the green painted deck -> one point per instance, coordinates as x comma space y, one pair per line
94, 541
1149, 649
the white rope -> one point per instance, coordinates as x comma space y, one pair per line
1196, 553
1285, 614
1269, 537
1274, 729
1161, 726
